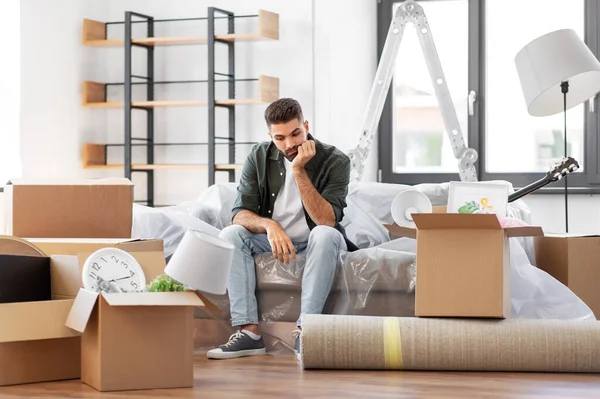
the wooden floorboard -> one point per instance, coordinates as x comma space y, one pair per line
281, 377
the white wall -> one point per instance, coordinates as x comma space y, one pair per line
54, 63
328, 67
345, 64
10, 163
548, 211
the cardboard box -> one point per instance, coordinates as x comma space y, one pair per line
35, 344
463, 264
574, 260
136, 340
69, 255
74, 246
90, 208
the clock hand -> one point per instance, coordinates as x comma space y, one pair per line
121, 278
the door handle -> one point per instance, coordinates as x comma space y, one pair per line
472, 99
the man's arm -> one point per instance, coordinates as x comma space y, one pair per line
318, 208
245, 213
281, 245
252, 222
325, 208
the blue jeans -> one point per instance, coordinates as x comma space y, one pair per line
322, 249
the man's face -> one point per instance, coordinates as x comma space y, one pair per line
289, 136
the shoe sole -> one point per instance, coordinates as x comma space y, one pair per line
233, 355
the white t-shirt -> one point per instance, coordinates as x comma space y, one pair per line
288, 210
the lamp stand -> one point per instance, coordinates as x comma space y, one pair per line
564, 87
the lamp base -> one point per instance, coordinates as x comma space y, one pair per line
564, 88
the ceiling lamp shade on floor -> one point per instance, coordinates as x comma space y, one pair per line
202, 262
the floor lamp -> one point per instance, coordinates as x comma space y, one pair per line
557, 72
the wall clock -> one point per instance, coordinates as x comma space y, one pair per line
113, 270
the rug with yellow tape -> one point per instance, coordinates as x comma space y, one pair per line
410, 343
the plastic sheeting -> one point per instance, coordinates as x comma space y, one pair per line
378, 279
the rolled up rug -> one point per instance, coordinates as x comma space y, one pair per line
411, 343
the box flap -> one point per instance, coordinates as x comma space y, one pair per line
27, 321
82, 309
571, 235
525, 231
428, 221
154, 299
107, 241
401, 231
105, 181
66, 275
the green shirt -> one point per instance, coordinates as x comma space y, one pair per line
264, 173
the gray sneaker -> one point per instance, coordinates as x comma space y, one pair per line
239, 344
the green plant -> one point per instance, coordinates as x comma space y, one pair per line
164, 283
469, 207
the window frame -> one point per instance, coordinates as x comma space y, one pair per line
586, 182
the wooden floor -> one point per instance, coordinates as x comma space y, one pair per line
281, 377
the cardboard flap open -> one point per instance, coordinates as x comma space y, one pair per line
108, 241
571, 235
66, 275
28, 321
82, 309
401, 231
526, 231
154, 299
429, 221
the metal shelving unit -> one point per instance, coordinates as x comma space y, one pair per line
95, 94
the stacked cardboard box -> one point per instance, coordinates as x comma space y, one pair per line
463, 267
116, 341
573, 260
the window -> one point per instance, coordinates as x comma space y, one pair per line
476, 42
10, 160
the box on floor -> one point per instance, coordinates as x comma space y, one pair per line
463, 263
35, 343
574, 260
130, 340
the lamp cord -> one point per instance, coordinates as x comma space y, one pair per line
564, 86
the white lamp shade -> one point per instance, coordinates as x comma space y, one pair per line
546, 62
201, 262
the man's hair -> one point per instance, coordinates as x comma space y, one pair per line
283, 111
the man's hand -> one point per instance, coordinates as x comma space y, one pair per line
305, 152
281, 244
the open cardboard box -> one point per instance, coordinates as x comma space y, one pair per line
35, 344
135, 340
463, 263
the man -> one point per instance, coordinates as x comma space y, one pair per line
291, 198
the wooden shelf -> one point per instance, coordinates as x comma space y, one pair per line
94, 157
94, 96
94, 34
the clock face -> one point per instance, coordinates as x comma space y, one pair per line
113, 270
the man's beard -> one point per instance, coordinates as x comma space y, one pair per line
291, 153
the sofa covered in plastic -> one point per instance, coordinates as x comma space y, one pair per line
378, 279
